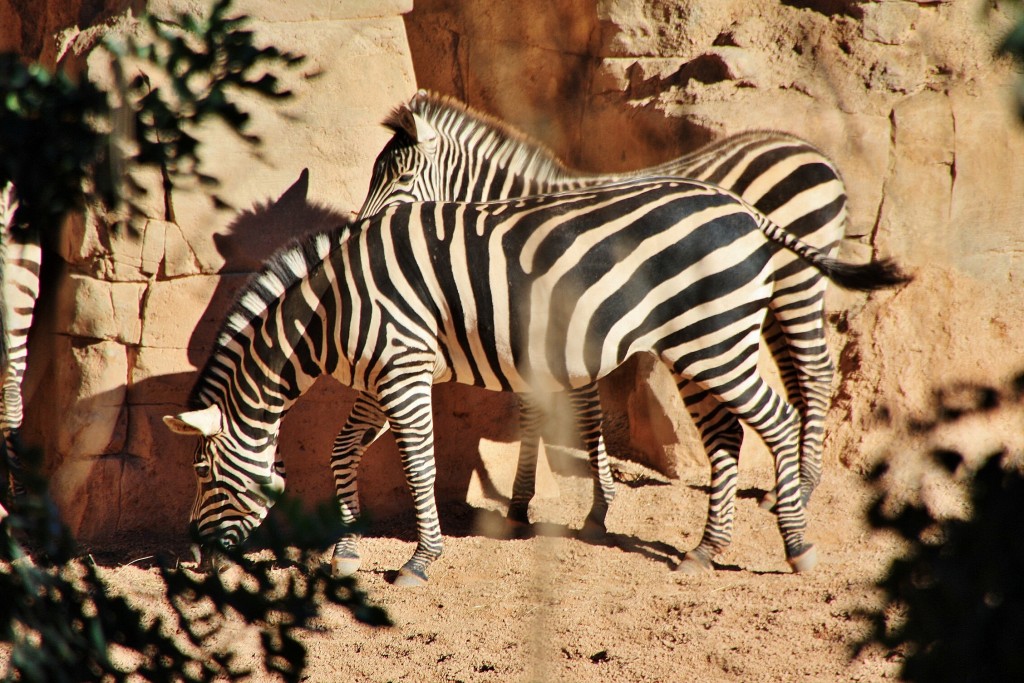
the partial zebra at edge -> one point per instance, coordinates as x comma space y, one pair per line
22, 258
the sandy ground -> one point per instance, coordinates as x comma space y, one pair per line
557, 608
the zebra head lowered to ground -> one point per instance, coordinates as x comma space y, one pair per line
540, 294
233, 495
442, 150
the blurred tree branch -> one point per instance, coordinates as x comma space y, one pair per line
65, 143
1012, 45
953, 602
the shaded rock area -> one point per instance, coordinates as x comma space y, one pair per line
905, 96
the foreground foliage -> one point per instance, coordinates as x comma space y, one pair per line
65, 143
954, 602
65, 623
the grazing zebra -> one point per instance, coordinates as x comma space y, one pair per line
22, 255
540, 294
443, 151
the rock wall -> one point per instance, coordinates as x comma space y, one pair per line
126, 319
905, 96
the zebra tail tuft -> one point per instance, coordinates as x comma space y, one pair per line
864, 277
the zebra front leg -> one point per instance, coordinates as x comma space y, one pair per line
365, 423
523, 489
722, 435
586, 404
408, 409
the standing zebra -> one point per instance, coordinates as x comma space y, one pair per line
22, 255
540, 294
443, 151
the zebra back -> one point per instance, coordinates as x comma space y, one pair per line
443, 150
454, 255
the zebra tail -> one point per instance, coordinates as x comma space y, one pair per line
863, 277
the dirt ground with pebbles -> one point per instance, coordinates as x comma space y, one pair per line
557, 608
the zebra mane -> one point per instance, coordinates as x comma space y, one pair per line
286, 267
449, 115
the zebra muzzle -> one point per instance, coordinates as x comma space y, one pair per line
209, 558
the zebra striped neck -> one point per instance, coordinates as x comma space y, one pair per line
245, 322
499, 142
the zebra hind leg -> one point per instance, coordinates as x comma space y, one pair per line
586, 404
16, 486
365, 423
778, 424
788, 373
531, 417
722, 435
807, 370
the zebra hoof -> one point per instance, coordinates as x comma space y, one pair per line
410, 578
209, 561
593, 530
769, 501
516, 528
805, 561
345, 566
695, 565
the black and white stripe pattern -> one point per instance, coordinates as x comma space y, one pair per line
541, 294
443, 151
22, 255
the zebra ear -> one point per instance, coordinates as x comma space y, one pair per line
406, 122
205, 422
424, 131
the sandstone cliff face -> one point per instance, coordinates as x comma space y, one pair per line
904, 96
